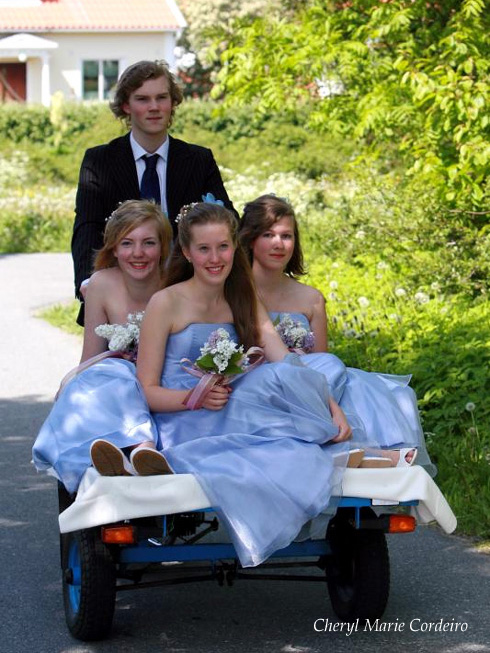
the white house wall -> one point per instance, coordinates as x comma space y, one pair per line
33, 79
66, 60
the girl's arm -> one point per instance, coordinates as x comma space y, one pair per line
318, 322
155, 330
270, 340
275, 350
95, 314
345, 431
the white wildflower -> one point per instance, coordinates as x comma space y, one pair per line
421, 297
363, 302
400, 292
350, 333
361, 234
382, 265
395, 317
333, 285
470, 406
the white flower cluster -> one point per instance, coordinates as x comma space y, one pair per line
122, 337
222, 349
294, 334
184, 211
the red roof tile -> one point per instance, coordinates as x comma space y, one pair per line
90, 15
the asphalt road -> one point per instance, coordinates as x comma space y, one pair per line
434, 576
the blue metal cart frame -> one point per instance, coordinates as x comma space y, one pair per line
352, 558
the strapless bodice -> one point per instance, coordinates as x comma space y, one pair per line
187, 344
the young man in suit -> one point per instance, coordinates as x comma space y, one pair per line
146, 97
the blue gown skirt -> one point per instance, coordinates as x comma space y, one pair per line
381, 408
265, 460
104, 401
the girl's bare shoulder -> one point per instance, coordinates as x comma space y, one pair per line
306, 292
172, 296
106, 278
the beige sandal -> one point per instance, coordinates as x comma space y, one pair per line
356, 456
376, 462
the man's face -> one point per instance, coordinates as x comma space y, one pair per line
150, 108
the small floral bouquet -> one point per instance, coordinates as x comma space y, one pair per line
220, 361
123, 337
221, 355
294, 335
123, 343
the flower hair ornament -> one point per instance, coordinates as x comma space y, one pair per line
209, 198
113, 214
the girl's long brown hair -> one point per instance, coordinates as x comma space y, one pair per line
239, 286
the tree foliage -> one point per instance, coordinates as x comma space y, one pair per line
410, 76
206, 16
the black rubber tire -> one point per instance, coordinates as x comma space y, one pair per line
358, 572
89, 585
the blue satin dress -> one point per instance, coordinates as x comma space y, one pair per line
104, 401
380, 408
264, 460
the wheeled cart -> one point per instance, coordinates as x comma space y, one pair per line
114, 538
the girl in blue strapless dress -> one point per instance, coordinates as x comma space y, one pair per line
269, 450
381, 408
103, 400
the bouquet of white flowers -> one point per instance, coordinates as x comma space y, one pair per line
123, 337
293, 334
220, 361
221, 355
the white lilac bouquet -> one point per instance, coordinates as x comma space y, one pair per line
220, 361
293, 334
221, 355
123, 337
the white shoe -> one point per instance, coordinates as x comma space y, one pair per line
149, 462
109, 460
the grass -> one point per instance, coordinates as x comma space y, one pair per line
63, 316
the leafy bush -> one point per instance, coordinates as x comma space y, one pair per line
39, 219
33, 123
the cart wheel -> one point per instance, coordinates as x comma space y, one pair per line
358, 572
89, 585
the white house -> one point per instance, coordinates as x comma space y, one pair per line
80, 47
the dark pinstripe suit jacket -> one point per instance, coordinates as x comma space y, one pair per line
108, 176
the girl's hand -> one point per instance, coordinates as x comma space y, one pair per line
345, 431
217, 398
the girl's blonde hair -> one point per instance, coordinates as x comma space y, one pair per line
128, 216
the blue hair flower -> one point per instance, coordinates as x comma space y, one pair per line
210, 198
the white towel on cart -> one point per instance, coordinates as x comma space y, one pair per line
105, 500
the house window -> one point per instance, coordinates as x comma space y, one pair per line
99, 78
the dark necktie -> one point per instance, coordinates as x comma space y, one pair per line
150, 185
